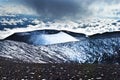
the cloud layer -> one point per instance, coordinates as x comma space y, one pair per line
70, 9
60, 8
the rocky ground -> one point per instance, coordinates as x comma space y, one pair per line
10, 70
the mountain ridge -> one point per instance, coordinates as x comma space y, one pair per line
101, 48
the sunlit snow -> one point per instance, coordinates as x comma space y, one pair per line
45, 39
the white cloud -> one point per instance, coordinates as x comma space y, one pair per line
36, 21
87, 26
9, 9
11, 22
105, 9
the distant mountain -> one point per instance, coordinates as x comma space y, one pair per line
115, 34
46, 37
99, 48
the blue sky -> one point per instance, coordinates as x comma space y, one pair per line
5, 1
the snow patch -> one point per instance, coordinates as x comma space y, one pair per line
46, 39
7, 56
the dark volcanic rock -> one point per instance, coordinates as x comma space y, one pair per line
69, 71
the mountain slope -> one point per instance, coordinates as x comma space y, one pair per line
30, 53
44, 37
100, 48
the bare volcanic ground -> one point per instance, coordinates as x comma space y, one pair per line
10, 70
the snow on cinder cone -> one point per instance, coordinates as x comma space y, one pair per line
46, 39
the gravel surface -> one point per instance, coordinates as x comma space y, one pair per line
70, 71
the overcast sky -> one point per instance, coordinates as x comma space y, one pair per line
65, 8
